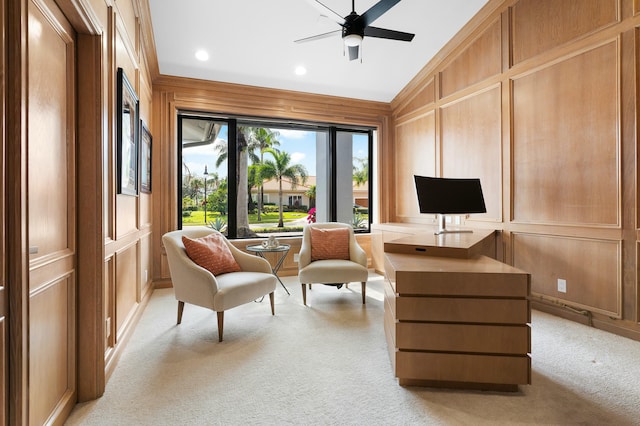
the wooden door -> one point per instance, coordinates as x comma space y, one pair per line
4, 297
51, 209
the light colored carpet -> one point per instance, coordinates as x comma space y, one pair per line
328, 364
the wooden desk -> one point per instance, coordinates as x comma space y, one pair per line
457, 322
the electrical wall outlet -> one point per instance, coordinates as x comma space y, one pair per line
562, 285
296, 257
146, 276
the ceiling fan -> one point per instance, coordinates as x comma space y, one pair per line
355, 27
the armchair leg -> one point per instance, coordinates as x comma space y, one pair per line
220, 325
364, 291
271, 299
180, 310
304, 294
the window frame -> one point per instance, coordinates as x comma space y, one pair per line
233, 122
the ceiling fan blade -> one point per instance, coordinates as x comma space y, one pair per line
376, 11
318, 36
327, 11
354, 52
389, 34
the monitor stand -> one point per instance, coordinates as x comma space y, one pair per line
440, 219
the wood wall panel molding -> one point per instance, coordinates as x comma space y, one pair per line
82, 16
226, 98
146, 269
109, 307
385, 162
594, 285
53, 368
471, 144
127, 18
629, 194
489, 12
126, 283
421, 98
564, 129
480, 60
415, 153
147, 40
541, 25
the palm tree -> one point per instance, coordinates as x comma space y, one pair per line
244, 147
311, 194
194, 188
264, 138
361, 175
279, 169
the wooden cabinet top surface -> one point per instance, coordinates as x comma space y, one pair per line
401, 262
461, 245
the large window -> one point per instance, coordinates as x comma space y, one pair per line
251, 178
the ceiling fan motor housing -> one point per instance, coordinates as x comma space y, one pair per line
352, 25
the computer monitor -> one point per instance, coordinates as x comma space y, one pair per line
449, 196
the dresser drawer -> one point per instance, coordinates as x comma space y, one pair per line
458, 309
468, 338
463, 368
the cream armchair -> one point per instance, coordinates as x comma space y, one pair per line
196, 285
331, 271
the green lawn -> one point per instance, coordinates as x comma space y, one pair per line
197, 218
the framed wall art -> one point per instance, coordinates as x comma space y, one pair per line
127, 135
145, 158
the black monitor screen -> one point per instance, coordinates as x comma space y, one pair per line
449, 196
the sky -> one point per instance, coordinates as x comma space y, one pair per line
301, 144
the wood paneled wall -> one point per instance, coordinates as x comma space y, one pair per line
112, 275
539, 99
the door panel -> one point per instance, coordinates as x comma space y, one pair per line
51, 212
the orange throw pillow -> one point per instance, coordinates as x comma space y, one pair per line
211, 252
331, 243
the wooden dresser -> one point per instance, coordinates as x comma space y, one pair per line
458, 322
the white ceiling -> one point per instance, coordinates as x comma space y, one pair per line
252, 42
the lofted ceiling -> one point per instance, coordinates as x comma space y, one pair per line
252, 42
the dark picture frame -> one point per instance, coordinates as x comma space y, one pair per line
146, 141
127, 135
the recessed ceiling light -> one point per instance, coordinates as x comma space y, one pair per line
300, 70
202, 55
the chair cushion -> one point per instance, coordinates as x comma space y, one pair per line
242, 287
211, 252
329, 243
333, 271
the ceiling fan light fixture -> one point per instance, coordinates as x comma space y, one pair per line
352, 40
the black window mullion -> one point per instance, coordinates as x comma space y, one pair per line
370, 182
232, 179
333, 168
179, 176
